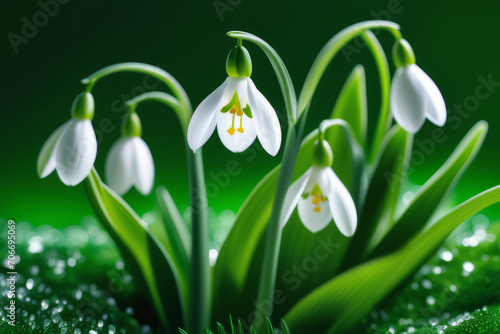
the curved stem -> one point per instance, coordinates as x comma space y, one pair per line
280, 69
385, 117
147, 69
166, 99
199, 293
331, 48
358, 157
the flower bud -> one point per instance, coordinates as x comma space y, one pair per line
83, 106
402, 53
131, 125
322, 154
239, 62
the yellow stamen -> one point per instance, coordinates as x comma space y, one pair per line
231, 129
234, 108
317, 198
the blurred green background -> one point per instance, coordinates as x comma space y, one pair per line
456, 43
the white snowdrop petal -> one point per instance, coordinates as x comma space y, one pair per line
119, 166
435, 108
266, 121
314, 221
46, 163
75, 152
293, 196
342, 205
237, 142
143, 167
203, 121
407, 104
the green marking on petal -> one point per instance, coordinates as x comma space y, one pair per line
234, 101
247, 111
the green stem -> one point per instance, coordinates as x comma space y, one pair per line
331, 48
147, 69
199, 293
385, 117
280, 69
265, 297
166, 99
358, 157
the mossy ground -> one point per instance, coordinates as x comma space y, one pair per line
73, 281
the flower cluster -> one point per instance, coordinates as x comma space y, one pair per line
241, 113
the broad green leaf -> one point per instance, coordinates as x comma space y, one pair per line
343, 301
177, 241
433, 191
233, 263
351, 107
383, 193
144, 254
351, 103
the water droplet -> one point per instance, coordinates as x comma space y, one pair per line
46, 322
45, 304
453, 287
447, 256
71, 262
78, 294
427, 284
437, 270
430, 300
119, 265
78, 331
30, 283
129, 310
56, 317
213, 254
468, 266
100, 323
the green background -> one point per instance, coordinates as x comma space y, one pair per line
455, 42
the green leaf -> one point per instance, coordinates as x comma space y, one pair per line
233, 263
433, 191
284, 327
382, 195
220, 328
143, 253
351, 104
182, 331
343, 301
270, 329
177, 242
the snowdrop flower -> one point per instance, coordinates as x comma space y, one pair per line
414, 96
238, 109
319, 196
129, 162
72, 148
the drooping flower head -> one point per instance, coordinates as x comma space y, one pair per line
414, 96
129, 162
71, 149
238, 109
319, 196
